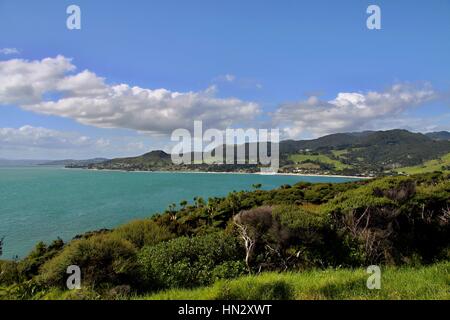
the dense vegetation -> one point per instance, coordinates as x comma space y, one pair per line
371, 153
391, 221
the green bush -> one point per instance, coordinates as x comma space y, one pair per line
9, 272
29, 266
228, 270
189, 262
297, 219
24, 290
101, 258
142, 233
394, 220
311, 241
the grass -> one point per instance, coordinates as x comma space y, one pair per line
430, 283
429, 166
340, 153
397, 283
298, 158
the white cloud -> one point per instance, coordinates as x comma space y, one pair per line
29, 142
89, 100
350, 111
8, 51
43, 138
23, 82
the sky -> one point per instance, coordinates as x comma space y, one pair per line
138, 70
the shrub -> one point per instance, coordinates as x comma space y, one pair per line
228, 270
41, 253
9, 272
24, 290
394, 220
102, 260
311, 241
297, 219
283, 237
142, 233
260, 232
189, 262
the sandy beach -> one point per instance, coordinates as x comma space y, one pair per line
256, 173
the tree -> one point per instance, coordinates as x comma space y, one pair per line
234, 200
199, 202
249, 241
262, 234
172, 207
172, 211
183, 204
211, 207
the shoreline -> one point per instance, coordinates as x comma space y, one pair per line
248, 173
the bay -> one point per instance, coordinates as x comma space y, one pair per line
42, 203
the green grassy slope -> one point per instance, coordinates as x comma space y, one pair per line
404, 283
441, 164
298, 158
431, 282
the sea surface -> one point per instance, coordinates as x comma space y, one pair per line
42, 203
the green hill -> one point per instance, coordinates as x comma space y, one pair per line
441, 164
441, 135
363, 153
153, 160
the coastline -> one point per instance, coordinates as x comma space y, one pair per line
248, 173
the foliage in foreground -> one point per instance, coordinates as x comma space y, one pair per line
412, 283
395, 221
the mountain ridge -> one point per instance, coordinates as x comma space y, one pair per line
358, 153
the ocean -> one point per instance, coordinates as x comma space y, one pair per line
42, 203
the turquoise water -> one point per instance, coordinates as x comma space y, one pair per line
43, 203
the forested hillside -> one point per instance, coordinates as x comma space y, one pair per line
370, 153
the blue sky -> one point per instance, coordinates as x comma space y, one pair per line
308, 67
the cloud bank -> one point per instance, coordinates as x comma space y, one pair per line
351, 111
38, 137
50, 86
8, 51
53, 86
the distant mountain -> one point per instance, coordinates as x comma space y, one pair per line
71, 162
354, 140
151, 160
375, 151
360, 153
441, 135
